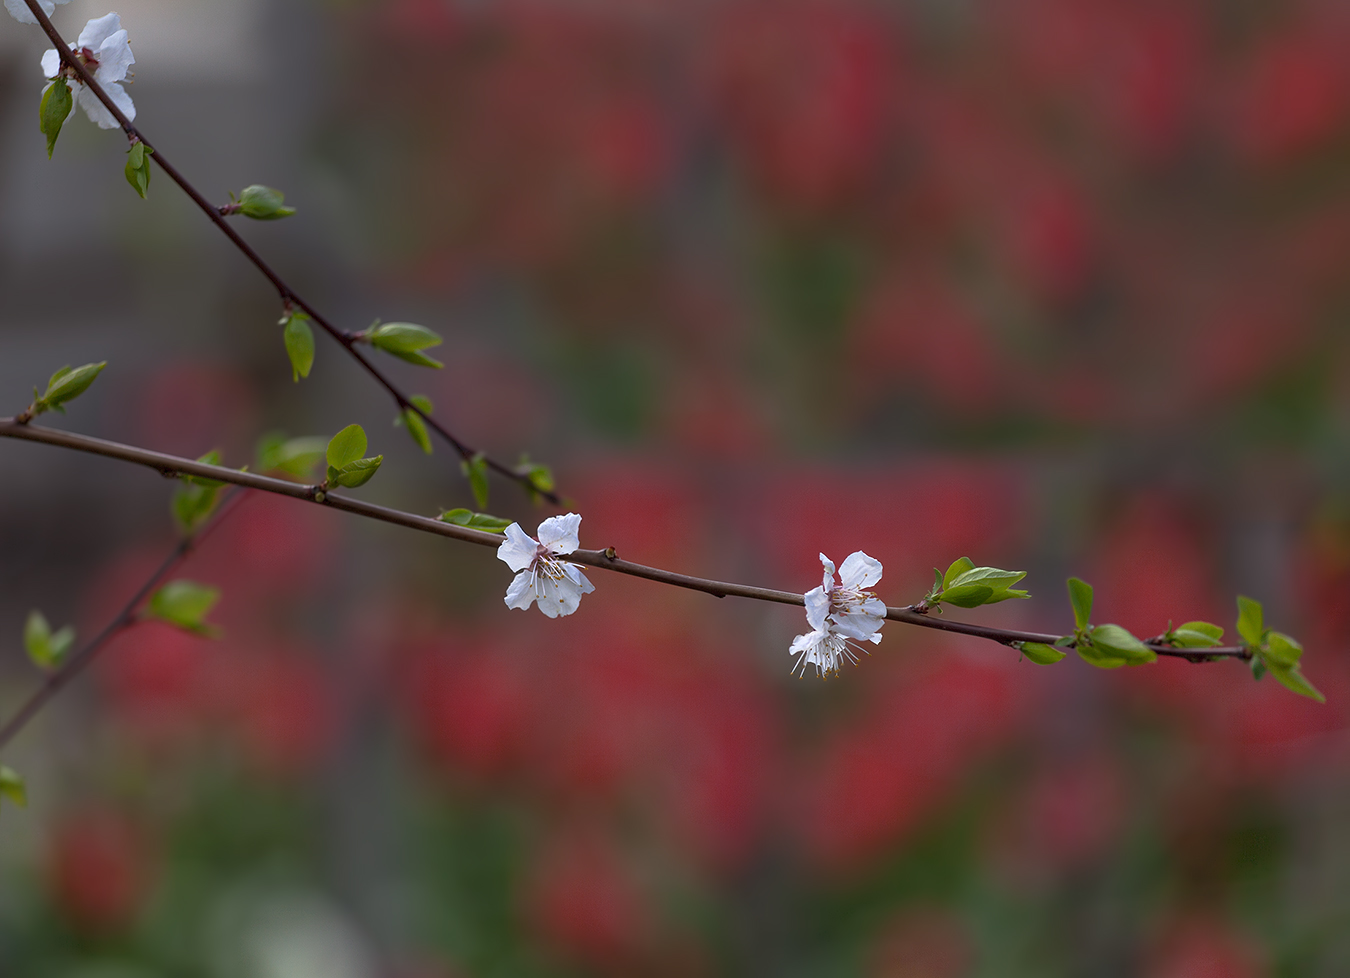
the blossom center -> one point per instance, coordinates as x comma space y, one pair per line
86, 56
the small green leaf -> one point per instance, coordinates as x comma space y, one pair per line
299, 339
1080, 596
1116, 641
417, 429
346, 446
357, 473
1195, 635
1094, 656
1281, 650
138, 168
405, 341
1258, 668
295, 456
1041, 654
476, 470
185, 604
53, 111
1291, 677
476, 521
537, 475
45, 649
1251, 621
12, 786
191, 505
967, 595
957, 568
67, 384
263, 203
991, 577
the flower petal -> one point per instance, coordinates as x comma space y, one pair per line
817, 607
114, 58
559, 533
97, 31
20, 12
518, 550
51, 63
859, 570
579, 579
520, 594
828, 581
860, 627
98, 112
558, 596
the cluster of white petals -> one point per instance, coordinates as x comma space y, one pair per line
20, 12
840, 615
103, 48
541, 576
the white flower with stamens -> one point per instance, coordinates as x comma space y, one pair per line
840, 615
20, 12
103, 49
556, 584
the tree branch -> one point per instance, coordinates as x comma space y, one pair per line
346, 339
171, 465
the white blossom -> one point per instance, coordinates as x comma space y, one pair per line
556, 584
103, 48
840, 615
20, 12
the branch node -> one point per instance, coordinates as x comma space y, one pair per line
612, 554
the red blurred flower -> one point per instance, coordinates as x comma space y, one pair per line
99, 869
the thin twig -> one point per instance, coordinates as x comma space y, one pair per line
603, 559
125, 618
345, 338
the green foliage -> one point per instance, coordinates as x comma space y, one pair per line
12, 786
1080, 596
1194, 635
1040, 653
295, 457
185, 605
475, 521
46, 649
56, 104
346, 467
263, 203
1272, 651
405, 341
66, 385
417, 428
538, 475
299, 339
476, 470
138, 168
967, 586
194, 502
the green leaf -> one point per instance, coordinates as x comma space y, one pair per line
1041, 654
67, 384
299, 339
1112, 640
1258, 667
1281, 650
417, 428
191, 505
45, 649
1195, 635
957, 568
185, 605
12, 786
1292, 678
476, 470
405, 341
346, 446
138, 168
263, 203
56, 104
357, 473
1094, 656
475, 521
991, 577
967, 595
1251, 621
1080, 596
295, 456
538, 476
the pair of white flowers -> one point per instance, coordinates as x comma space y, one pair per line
840, 614
103, 48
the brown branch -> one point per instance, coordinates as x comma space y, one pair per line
345, 338
125, 618
171, 465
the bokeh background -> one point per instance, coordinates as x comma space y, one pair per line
1057, 284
